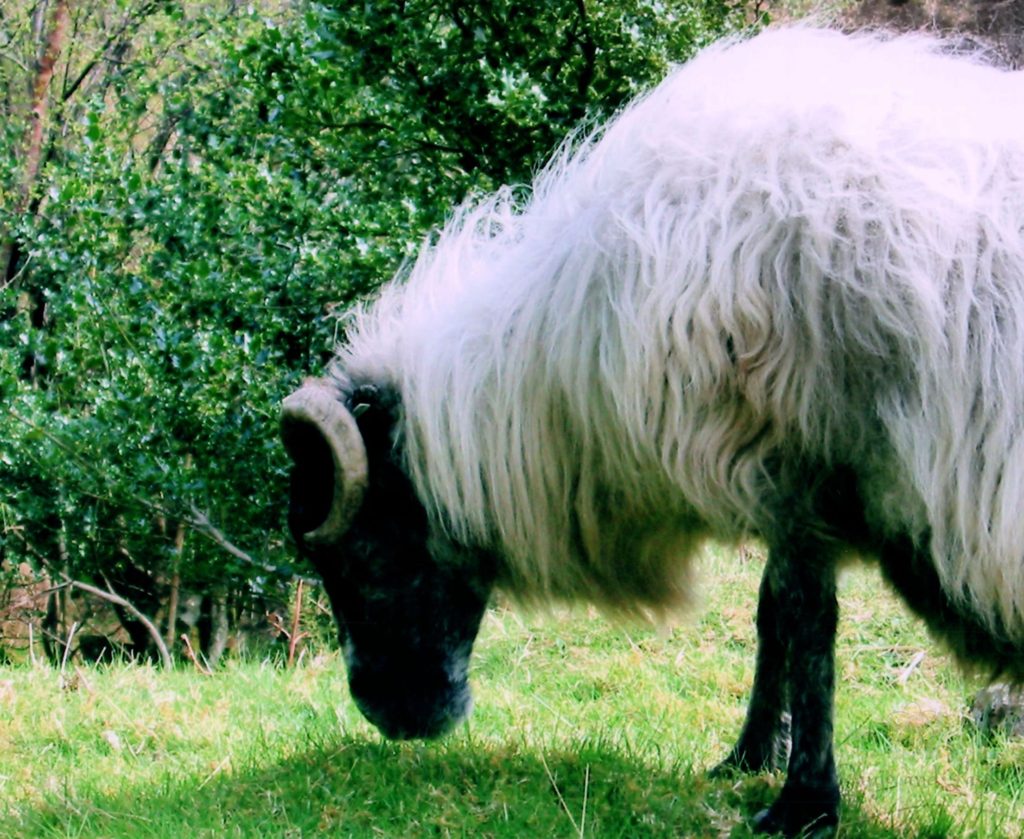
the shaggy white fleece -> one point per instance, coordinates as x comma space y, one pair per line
803, 246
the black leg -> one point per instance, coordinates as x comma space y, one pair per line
765, 740
801, 580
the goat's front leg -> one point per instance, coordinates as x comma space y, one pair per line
764, 742
801, 580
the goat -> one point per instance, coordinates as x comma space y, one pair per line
780, 296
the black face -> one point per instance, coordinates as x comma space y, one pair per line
408, 604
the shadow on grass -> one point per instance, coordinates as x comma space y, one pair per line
358, 788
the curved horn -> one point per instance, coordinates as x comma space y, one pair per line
317, 408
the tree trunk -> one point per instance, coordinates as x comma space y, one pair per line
174, 596
33, 143
214, 626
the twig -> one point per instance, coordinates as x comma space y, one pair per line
915, 662
15, 60
200, 522
67, 648
558, 793
216, 771
116, 599
82, 681
295, 635
276, 623
190, 654
586, 795
17, 275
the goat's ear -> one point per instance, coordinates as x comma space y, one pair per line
376, 411
364, 399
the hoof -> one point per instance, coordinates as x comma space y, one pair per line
766, 749
724, 770
821, 828
809, 814
738, 764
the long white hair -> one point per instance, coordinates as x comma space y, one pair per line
800, 245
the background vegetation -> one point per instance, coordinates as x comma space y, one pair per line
188, 193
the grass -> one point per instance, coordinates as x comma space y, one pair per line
582, 728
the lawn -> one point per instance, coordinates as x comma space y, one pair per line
582, 728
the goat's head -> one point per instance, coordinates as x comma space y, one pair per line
408, 602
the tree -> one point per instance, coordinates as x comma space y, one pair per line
117, 379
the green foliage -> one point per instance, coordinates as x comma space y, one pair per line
496, 86
417, 103
214, 185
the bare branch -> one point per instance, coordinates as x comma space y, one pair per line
16, 61
117, 600
9, 281
200, 522
588, 48
67, 648
190, 654
133, 20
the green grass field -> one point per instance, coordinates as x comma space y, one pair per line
582, 728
